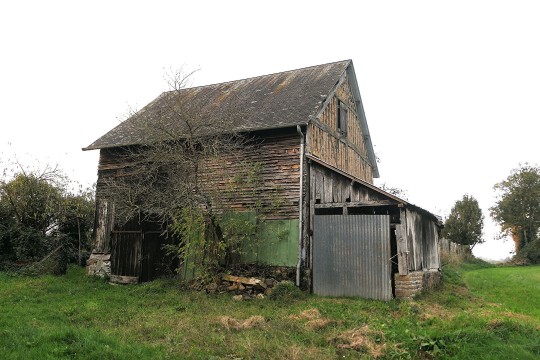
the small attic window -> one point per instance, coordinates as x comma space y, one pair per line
342, 117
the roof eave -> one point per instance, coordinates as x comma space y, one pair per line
363, 122
291, 126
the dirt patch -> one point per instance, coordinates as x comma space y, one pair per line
363, 339
230, 323
309, 314
436, 311
317, 324
314, 322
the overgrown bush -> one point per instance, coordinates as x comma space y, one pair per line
286, 290
54, 263
40, 216
530, 253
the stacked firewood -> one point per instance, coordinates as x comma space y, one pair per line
243, 287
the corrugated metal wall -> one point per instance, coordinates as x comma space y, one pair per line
351, 256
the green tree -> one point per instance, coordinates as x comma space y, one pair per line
517, 209
465, 223
76, 222
38, 216
33, 200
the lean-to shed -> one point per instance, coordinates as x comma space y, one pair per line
344, 236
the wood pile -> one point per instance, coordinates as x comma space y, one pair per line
244, 288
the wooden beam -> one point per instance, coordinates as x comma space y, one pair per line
402, 248
353, 204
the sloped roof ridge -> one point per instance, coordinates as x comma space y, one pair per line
346, 64
298, 89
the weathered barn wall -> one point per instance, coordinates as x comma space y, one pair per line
330, 187
422, 242
275, 156
272, 158
417, 253
275, 159
344, 150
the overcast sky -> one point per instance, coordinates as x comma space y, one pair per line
451, 89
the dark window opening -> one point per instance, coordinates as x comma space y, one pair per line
329, 211
393, 211
393, 253
342, 117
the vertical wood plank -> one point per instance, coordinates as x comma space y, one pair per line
402, 248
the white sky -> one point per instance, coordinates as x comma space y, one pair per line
451, 89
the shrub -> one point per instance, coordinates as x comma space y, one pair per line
286, 290
530, 252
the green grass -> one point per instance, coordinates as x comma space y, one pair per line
78, 317
515, 289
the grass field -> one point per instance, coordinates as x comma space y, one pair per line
514, 289
77, 317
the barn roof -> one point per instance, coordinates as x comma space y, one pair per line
264, 102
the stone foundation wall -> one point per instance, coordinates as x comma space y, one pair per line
409, 285
99, 265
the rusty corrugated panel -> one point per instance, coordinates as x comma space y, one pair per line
351, 256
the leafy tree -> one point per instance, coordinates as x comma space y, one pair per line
76, 222
465, 223
33, 200
517, 209
39, 216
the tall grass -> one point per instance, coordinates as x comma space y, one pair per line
79, 317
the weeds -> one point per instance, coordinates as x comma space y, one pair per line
75, 316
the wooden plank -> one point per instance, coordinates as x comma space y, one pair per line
336, 189
309, 246
402, 248
101, 226
243, 280
327, 189
352, 204
119, 279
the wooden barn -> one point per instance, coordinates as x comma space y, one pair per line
345, 236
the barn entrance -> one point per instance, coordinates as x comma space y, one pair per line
138, 255
352, 256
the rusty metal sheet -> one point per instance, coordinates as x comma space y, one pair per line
351, 256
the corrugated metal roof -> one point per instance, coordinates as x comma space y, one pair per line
265, 102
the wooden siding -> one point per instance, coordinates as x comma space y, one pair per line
421, 236
347, 152
276, 155
277, 160
329, 187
